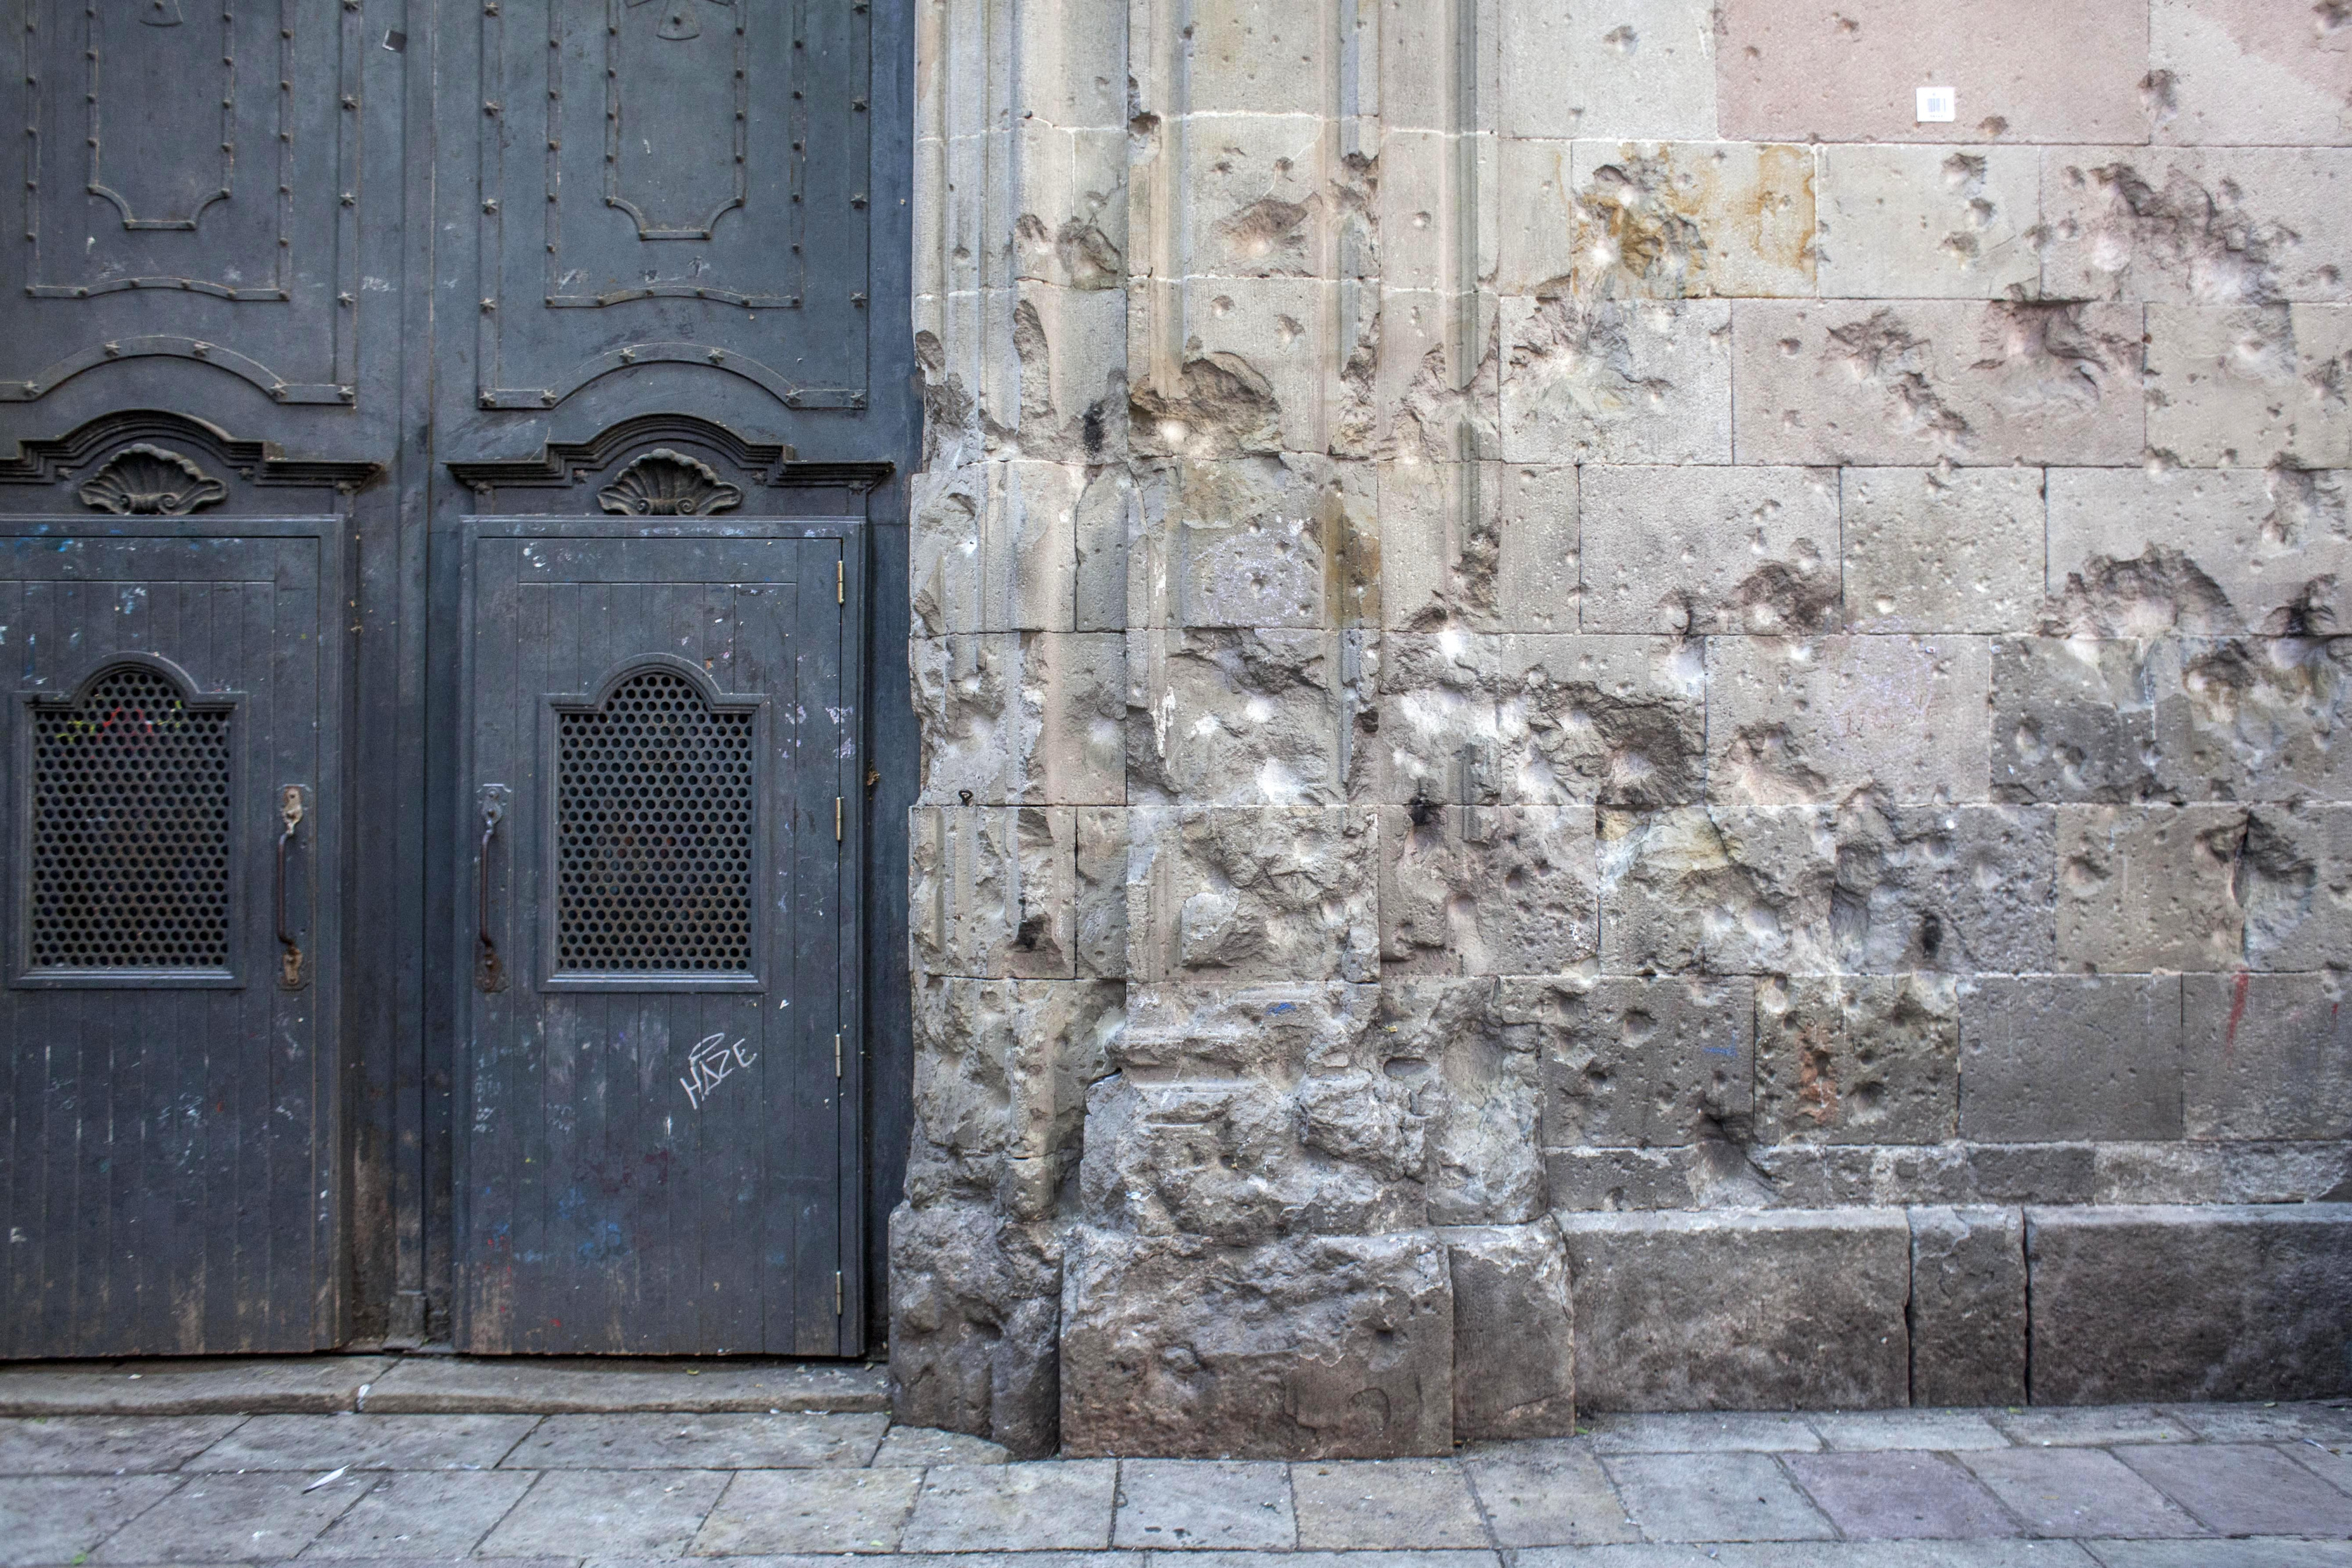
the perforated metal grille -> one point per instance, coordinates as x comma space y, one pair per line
652, 834
130, 830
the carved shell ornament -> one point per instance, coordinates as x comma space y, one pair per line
665, 484
145, 481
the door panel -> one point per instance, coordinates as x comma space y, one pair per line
169, 1070
654, 1116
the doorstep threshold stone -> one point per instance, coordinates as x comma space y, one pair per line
229, 1386
467, 1385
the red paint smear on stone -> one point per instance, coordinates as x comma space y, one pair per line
2237, 1011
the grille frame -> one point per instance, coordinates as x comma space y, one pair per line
30, 707
551, 976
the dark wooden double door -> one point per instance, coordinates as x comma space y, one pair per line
434, 741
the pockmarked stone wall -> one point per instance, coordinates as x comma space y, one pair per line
1605, 722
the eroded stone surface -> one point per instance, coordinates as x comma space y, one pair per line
1968, 1306
1513, 1333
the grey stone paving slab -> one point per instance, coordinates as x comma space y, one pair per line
422, 1513
1385, 1504
1322, 1560
1042, 1505
457, 1385
317, 1444
231, 1385
2090, 1426
692, 1442
1821, 1554
2248, 1553
55, 1519
1550, 1493
1704, 1432
571, 1514
1187, 1504
922, 1446
1925, 1430
810, 1511
2244, 1489
1715, 1496
1892, 1495
104, 1445
2077, 1492
233, 1519
2264, 1423
2332, 1463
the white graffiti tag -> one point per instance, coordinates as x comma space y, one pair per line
708, 1064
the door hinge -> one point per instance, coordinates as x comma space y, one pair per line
836, 1056
836, 819
836, 1293
840, 591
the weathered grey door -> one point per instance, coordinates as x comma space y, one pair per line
170, 767
659, 1140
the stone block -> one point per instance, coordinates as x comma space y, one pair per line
1942, 550
2250, 386
1791, 722
993, 889
1435, 205
1960, 889
1065, 223
2198, 553
1930, 223
1656, 220
1513, 1333
1237, 894
1920, 383
1022, 717
1487, 890
1211, 1031
2051, 1058
1050, 369
1640, 1062
2271, 1171
1968, 1306
1419, 374
1316, 1347
1475, 1074
1246, 716
1256, 200
2074, 720
975, 1305
1708, 549
1249, 56
1100, 922
2295, 881
2159, 1302
2264, 72
2150, 887
1484, 546
2266, 1056
1629, 68
1856, 1060
1002, 1069
1251, 374
2181, 226
1723, 890
1834, 71
995, 547
1794, 1308
1604, 380
1250, 541
1470, 719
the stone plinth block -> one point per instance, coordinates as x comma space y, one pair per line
1793, 721
2179, 225
1968, 1306
1487, 890
1022, 717
1513, 1333
1930, 223
2264, 72
1857, 1060
2163, 1302
1836, 71
975, 1304
1239, 894
1002, 1069
2054, 1057
1703, 549
1476, 719
1923, 382
1779, 1310
1316, 1347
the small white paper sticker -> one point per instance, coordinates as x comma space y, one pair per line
1938, 103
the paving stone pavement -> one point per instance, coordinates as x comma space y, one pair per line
2247, 1486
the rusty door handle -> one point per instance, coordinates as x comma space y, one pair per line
489, 972
289, 956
